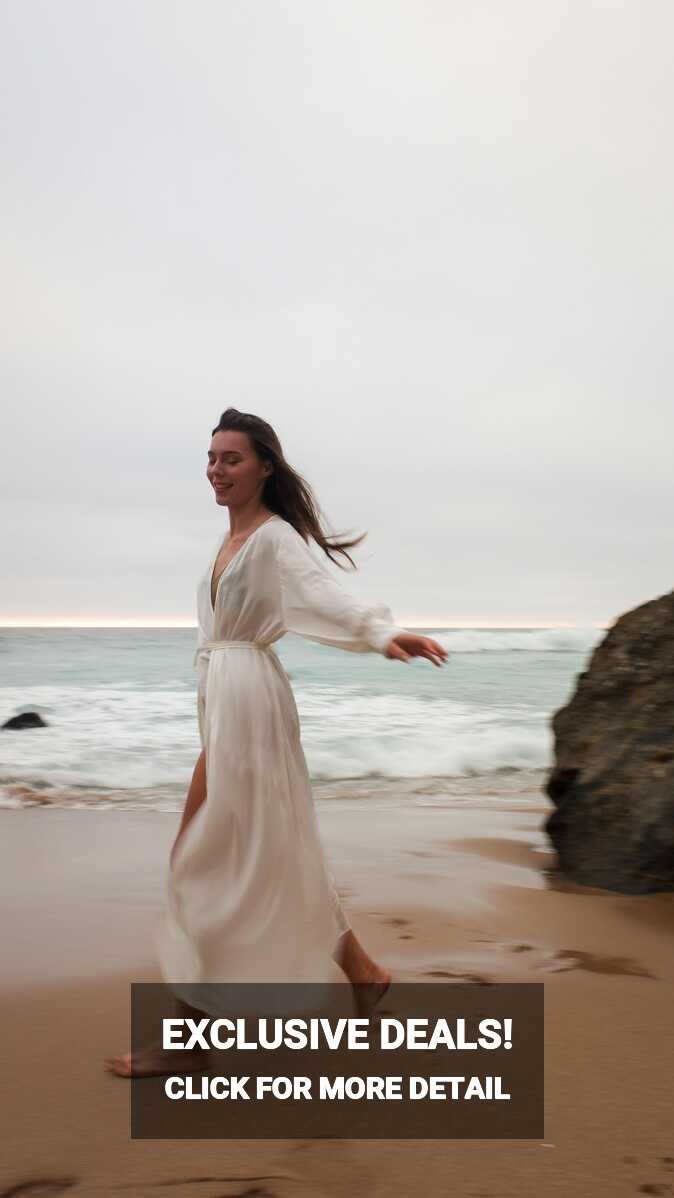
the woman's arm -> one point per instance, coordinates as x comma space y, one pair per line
195, 797
316, 607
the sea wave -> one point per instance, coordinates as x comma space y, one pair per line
535, 640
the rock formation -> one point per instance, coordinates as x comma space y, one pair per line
613, 780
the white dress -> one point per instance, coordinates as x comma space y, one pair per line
250, 895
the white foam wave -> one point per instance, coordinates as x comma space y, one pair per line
131, 740
408, 737
535, 640
102, 737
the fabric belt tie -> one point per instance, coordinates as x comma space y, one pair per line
208, 646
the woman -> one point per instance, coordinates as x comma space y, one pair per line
250, 896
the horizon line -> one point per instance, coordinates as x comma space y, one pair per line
139, 625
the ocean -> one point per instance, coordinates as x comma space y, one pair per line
120, 708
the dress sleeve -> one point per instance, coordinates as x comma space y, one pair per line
315, 606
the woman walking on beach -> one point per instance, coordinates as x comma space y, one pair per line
250, 895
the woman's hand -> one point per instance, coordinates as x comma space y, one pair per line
408, 645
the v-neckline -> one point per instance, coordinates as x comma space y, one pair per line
214, 597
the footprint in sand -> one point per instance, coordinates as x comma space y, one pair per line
475, 979
597, 963
564, 960
495, 963
252, 1192
43, 1187
658, 1188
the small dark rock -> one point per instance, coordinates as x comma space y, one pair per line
27, 719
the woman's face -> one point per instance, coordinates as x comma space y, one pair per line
234, 470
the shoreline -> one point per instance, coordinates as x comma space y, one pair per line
449, 890
526, 784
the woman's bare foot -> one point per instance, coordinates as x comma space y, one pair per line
368, 980
367, 995
156, 1061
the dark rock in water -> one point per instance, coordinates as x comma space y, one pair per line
613, 781
27, 719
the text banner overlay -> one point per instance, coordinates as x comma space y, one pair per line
302, 1061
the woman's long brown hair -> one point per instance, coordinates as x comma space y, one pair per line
285, 491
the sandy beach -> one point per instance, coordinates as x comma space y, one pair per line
461, 887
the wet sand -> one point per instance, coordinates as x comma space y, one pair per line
439, 887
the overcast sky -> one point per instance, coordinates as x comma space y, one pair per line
430, 242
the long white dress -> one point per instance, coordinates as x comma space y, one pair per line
250, 895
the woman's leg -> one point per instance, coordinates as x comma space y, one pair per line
370, 981
349, 953
195, 797
356, 962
